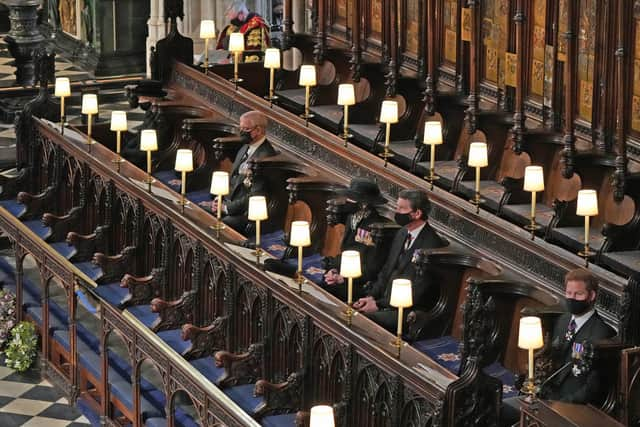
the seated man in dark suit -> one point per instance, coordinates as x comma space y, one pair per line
253, 127
357, 237
572, 380
412, 211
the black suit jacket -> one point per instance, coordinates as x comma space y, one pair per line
567, 387
399, 265
238, 201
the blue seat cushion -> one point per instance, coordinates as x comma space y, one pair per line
85, 335
207, 367
174, 340
85, 302
118, 364
311, 267
182, 419
508, 378
57, 314
32, 289
87, 410
445, 351
64, 249
39, 229
90, 269
89, 359
170, 178
283, 420
155, 422
201, 198
121, 388
156, 398
273, 243
35, 313
62, 337
16, 209
144, 314
113, 293
243, 396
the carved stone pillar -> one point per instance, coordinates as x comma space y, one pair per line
24, 38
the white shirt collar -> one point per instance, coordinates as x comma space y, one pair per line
254, 146
583, 318
414, 233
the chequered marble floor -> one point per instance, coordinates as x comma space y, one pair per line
28, 400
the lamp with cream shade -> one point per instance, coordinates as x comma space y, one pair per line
258, 212
477, 159
530, 338
62, 90
89, 107
149, 143
300, 237
272, 62
432, 137
184, 164
401, 298
118, 125
307, 79
350, 268
321, 416
207, 32
219, 188
388, 115
236, 46
587, 207
346, 97
533, 182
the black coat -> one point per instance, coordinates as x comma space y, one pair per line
399, 265
237, 202
585, 388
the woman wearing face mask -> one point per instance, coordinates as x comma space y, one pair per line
412, 211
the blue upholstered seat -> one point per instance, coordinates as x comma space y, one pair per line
113, 293
144, 314
16, 209
39, 229
446, 352
121, 388
118, 364
174, 340
283, 420
207, 367
90, 269
156, 399
92, 341
155, 422
243, 396
89, 359
62, 337
273, 243
64, 249
201, 198
87, 410
35, 313
182, 419
169, 178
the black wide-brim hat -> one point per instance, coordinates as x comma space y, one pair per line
363, 190
151, 88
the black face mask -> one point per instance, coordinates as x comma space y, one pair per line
402, 219
577, 307
144, 105
246, 136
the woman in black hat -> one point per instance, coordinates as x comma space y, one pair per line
357, 236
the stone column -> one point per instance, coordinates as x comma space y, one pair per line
298, 16
24, 38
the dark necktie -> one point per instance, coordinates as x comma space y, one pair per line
571, 330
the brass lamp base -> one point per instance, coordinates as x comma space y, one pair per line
586, 253
397, 344
431, 179
236, 80
258, 252
348, 315
386, 155
346, 136
477, 201
118, 161
533, 227
271, 98
182, 203
218, 227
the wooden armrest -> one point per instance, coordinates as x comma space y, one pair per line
173, 314
240, 367
205, 341
129, 280
280, 397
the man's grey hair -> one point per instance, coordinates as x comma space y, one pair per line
236, 7
256, 118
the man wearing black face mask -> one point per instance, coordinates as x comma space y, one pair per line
253, 125
411, 213
570, 381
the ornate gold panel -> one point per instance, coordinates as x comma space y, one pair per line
466, 24
376, 16
510, 64
450, 18
586, 56
413, 26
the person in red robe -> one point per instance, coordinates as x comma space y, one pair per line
252, 25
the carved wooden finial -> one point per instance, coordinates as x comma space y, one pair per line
44, 60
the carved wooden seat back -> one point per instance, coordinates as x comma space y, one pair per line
495, 147
558, 187
512, 165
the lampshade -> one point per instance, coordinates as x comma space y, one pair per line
346, 94
432, 133
478, 155
401, 295
300, 234
118, 120
389, 112
63, 87
184, 160
236, 42
89, 103
307, 75
257, 208
530, 334
272, 58
587, 203
148, 140
321, 416
220, 183
350, 264
207, 29
533, 178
